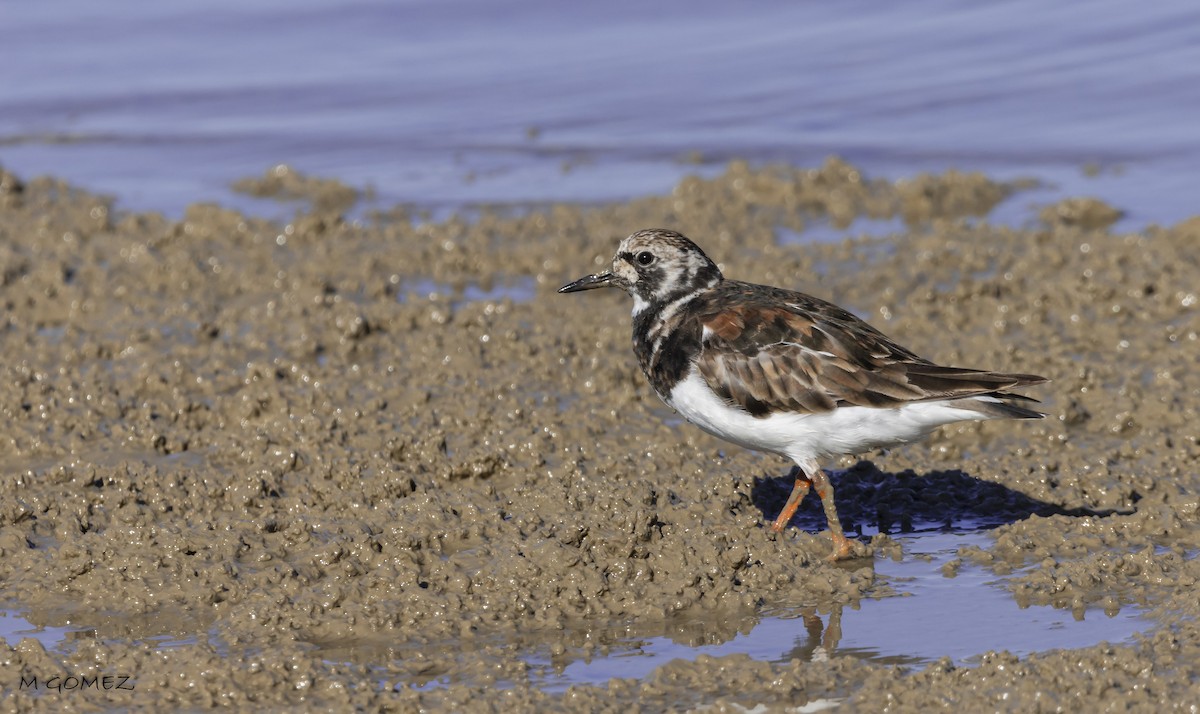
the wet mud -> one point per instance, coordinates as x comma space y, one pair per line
356, 460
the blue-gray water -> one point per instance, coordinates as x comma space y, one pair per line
961, 618
449, 103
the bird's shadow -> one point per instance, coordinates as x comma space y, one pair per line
874, 501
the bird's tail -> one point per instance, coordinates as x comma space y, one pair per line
999, 405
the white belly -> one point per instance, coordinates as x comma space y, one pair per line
809, 437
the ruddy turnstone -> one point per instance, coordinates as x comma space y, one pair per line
779, 371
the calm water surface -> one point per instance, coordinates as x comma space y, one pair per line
446, 104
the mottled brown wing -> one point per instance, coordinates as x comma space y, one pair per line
767, 349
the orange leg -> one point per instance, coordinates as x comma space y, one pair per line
824, 489
799, 491
819, 482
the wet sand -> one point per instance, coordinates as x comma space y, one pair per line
377, 462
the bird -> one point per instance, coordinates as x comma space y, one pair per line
778, 371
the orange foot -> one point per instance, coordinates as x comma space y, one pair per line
846, 549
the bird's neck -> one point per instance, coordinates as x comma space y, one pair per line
664, 340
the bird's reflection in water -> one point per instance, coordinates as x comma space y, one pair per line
821, 638
817, 639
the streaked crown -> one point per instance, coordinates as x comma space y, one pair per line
659, 266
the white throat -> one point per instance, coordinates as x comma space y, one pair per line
639, 304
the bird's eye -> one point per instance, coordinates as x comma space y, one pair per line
645, 258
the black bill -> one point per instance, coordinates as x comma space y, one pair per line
588, 282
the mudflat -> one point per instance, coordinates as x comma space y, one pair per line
377, 462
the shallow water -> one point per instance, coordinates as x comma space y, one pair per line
264, 471
450, 104
934, 617
960, 618
14, 628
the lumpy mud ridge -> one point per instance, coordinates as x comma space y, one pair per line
377, 462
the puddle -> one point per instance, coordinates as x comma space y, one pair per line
521, 289
936, 616
14, 628
965, 616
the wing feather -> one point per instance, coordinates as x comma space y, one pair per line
768, 349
